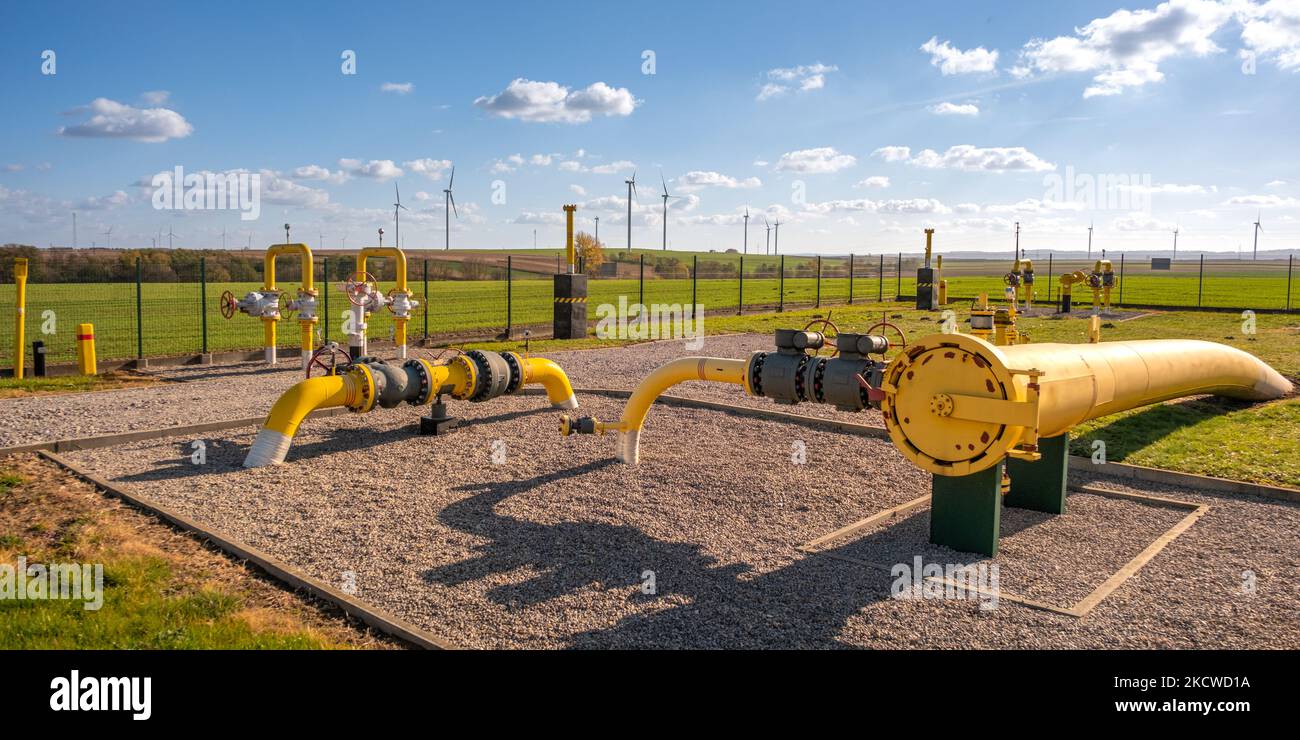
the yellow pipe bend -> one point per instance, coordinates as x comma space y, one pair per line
275, 436
956, 404
551, 376
712, 369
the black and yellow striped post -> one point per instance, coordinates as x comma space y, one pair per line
570, 293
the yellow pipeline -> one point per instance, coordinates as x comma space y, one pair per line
956, 404
712, 369
354, 389
558, 389
20, 316
399, 323
308, 289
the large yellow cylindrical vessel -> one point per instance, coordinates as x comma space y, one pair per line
956, 404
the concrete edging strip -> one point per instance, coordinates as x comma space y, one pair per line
278, 569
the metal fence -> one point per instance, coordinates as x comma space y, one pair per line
151, 309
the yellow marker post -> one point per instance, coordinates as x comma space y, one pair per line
86, 361
20, 315
569, 253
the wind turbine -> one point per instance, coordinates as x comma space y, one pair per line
776, 237
1175, 243
767, 238
665, 196
171, 235
109, 234
223, 238
1254, 251
448, 208
397, 223
631, 191
1089, 240
74, 229
598, 230
746, 231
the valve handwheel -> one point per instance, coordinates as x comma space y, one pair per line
331, 359
886, 324
1011, 278
285, 306
829, 330
358, 286
228, 304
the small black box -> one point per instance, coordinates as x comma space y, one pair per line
570, 316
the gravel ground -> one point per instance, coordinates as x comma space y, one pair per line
193, 394
549, 549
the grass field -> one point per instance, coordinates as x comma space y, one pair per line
173, 314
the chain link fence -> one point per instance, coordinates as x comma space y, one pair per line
157, 303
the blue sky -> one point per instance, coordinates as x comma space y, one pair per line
855, 124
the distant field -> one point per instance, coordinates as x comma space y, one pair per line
173, 312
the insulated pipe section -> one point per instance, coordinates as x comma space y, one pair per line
955, 404
678, 371
474, 376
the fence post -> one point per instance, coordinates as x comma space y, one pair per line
510, 284
425, 263
641, 295
325, 300
850, 280
1121, 278
740, 306
1200, 281
899, 290
819, 282
1290, 260
139, 311
203, 299
880, 291
781, 285
695, 275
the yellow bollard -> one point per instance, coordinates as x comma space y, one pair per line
20, 315
86, 361
943, 292
1094, 329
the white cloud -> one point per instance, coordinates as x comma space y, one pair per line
1169, 189
12, 168
1125, 49
906, 206
430, 168
893, 153
546, 218
805, 77
155, 97
953, 61
578, 190
875, 181
1272, 30
820, 160
613, 168
952, 109
570, 165
699, 179
982, 159
1263, 201
113, 120
117, 199
551, 102
1275, 184
378, 169
1034, 205
401, 88
1141, 222
541, 160
316, 172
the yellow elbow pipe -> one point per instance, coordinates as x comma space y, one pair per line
399, 324
308, 287
551, 376
354, 389
711, 369
955, 404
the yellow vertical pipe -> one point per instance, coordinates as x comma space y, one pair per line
399, 331
20, 316
308, 286
569, 252
86, 361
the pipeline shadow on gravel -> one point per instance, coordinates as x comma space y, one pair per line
804, 604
